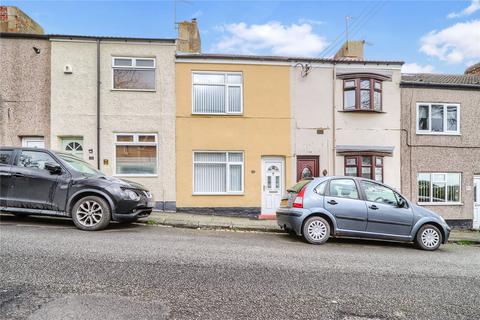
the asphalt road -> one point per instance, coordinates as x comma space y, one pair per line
50, 270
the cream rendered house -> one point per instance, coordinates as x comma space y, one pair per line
113, 104
346, 117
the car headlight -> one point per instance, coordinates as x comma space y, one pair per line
130, 194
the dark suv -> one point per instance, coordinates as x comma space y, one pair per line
39, 181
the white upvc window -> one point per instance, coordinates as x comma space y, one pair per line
217, 172
438, 118
137, 74
136, 154
439, 188
217, 93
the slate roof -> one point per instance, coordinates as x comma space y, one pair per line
441, 80
280, 58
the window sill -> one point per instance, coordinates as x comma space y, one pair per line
440, 203
135, 90
438, 133
218, 194
361, 111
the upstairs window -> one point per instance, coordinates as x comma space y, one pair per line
217, 93
133, 74
362, 94
370, 167
438, 118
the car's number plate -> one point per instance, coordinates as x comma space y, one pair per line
151, 203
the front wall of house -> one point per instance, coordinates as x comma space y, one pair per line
372, 128
74, 106
442, 153
312, 101
262, 130
24, 90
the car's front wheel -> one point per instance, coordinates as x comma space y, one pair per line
316, 230
91, 213
428, 238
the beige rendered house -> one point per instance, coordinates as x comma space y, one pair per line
441, 145
346, 117
113, 104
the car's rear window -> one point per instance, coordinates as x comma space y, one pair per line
300, 184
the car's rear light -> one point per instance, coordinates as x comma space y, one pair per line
298, 202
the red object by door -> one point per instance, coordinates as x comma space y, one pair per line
307, 166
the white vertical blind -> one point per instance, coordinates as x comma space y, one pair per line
218, 172
439, 187
215, 93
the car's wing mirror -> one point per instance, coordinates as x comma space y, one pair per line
402, 203
54, 168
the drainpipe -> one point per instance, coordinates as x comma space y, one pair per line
98, 104
334, 142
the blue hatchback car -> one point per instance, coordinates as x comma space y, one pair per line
321, 208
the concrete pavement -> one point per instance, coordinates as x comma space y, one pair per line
50, 270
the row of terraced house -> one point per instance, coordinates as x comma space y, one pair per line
228, 134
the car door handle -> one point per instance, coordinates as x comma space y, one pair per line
373, 207
16, 174
332, 202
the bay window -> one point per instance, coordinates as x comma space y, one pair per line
217, 172
133, 73
370, 167
136, 154
439, 187
362, 94
217, 93
438, 118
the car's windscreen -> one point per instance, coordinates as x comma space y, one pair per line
300, 184
79, 165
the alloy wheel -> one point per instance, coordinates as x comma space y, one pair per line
89, 213
317, 230
430, 238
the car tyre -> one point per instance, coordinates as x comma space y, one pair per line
316, 230
428, 238
91, 213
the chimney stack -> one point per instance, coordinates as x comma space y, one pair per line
189, 37
352, 49
12, 19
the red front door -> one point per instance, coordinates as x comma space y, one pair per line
307, 166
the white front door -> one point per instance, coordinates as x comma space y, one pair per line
73, 146
272, 183
33, 142
476, 202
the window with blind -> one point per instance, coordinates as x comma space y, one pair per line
217, 93
217, 172
370, 167
439, 187
135, 154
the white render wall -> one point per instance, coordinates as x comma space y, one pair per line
312, 107
74, 105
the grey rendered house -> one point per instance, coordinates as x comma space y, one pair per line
441, 145
113, 104
24, 90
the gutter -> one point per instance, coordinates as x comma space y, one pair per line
98, 104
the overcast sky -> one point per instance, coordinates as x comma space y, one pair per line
430, 36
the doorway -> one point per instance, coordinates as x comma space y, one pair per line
307, 166
273, 184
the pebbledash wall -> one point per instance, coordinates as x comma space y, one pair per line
261, 130
24, 88
130, 112
442, 153
324, 129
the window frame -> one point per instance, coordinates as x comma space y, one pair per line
359, 166
135, 142
358, 90
446, 203
226, 85
357, 187
228, 164
134, 67
445, 109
